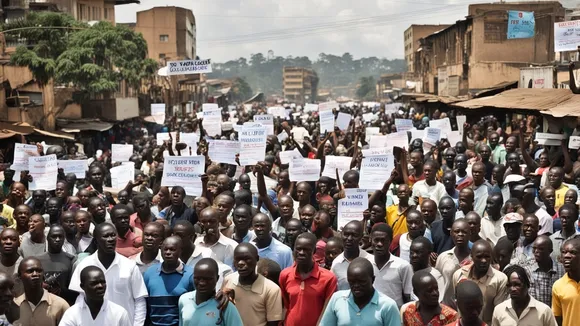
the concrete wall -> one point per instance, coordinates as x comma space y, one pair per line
486, 74
412, 35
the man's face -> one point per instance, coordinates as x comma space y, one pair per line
474, 223
9, 242
36, 224
331, 251
286, 207
485, 153
242, 219
510, 144
460, 233
478, 173
449, 180
541, 250
513, 231
96, 176
56, 238
177, 198
39, 198
530, 229
415, 159
22, 214
549, 198
555, 178
32, 274
493, 140
61, 190
97, 208
351, 236
121, 218
447, 210
107, 240
152, 237
461, 162
224, 205
302, 193
465, 201
52, 207
481, 257
430, 172
307, 216
429, 211
380, 242
170, 251
323, 187
570, 257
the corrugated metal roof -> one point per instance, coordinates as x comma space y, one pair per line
536, 99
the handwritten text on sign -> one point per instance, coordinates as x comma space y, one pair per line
78, 167
375, 170
352, 207
252, 145
567, 36
184, 171
187, 67
44, 171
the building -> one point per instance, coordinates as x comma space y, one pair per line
475, 54
412, 36
300, 85
388, 83
83, 10
170, 32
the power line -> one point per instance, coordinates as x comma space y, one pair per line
305, 34
323, 27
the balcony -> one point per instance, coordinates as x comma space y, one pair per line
15, 4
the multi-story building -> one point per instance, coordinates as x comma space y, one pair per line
83, 10
300, 84
475, 54
169, 31
412, 36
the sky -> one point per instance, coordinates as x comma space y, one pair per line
229, 29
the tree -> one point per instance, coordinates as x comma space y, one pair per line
241, 90
366, 88
94, 59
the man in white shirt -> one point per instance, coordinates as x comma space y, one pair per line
352, 234
125, 282
429, 188
222, 246
492, 221
93, 309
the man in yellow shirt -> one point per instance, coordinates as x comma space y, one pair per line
565, 294
397, 214
555, 179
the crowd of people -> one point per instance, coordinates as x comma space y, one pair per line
480, 232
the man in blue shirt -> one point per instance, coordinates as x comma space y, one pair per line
268, 247
362, 304
200, 306
166, 282
178, 209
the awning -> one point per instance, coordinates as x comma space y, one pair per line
88, 125
536, 99
24, 129
55, 134
496, 88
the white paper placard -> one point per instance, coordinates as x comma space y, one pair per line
543, 135
327, 106
309, 107
432, 135
191, 139
121, 153
352, 207
252, 144
212, 118
403, 124
288, 156
282, 136
416, 134
158, 112
370, 131
224, 151
566, 36
377, 151
78, 167
326, 121
21, 154
277, 111
378, 141
443, 124
343, 120
184, 171
461, 119
397, 139
342, 163
267, 120
44, 172
303, 169
375, 170
574, 142
122, 174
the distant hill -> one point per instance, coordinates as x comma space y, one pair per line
264, 73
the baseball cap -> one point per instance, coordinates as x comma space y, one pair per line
513, 218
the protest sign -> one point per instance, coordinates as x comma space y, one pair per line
432, 135
326, 121
378, 141
282, 136
158, 112
461, 119
252, 144
309, 107
190, 139
287, 156
375, 170
567, 36
188, 67
377, 151
184, 171
327, 106
163, 136
224, 151
78, 167
574, 142
212, 118
44, 172
267, 120
302, 169
342, 163
370, 131
122, 174
544, 135
549, 142
121, 153
368, 117
352, 207
443, 124
21, 154
416, 134
277, 111
343, 120
397, 139
521, 24
403, 124
453, 137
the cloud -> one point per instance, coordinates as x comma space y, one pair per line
305, 27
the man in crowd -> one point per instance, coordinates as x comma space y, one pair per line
352, 234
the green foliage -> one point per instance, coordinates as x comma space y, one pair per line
264, 74
366, 89
241, 90
92, 58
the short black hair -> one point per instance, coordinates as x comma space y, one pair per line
418, 276
211, 263
383, 227
569, 207
85, 272
423, 241
467, 290
520, 271
362, 263
121, 207
308, 236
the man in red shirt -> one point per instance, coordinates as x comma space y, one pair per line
306, 288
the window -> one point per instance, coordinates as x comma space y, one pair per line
163, 38
161, 55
